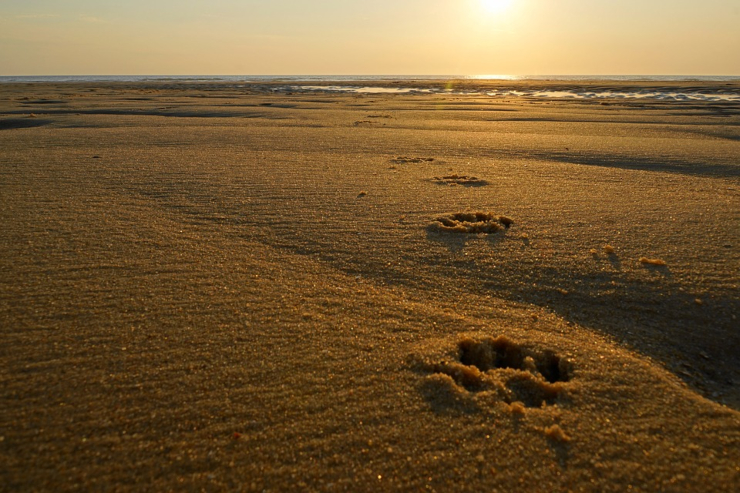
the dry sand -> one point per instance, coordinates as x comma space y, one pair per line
206, 287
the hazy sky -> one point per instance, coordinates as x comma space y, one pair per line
191, 37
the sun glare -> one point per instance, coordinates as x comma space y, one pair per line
495, 6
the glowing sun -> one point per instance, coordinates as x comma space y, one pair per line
495, 6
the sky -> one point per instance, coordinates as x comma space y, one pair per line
369, 37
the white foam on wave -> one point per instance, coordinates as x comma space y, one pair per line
361, 90
660, 95
555, 94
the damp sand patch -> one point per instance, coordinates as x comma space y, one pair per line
471, 223
29, 122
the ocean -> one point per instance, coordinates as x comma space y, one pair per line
731, 93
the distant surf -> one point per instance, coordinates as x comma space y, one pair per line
572, 87
577, 92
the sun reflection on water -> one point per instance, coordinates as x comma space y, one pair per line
493, 77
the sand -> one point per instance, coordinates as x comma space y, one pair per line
206, 287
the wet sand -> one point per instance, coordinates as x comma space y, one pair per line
212, 287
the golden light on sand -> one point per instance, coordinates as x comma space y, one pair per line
513, 282
495, 6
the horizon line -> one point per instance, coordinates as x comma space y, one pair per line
379, 75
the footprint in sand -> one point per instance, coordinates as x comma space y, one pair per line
415, 160
500, 367
463, 180
471, 223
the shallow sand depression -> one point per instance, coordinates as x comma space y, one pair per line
212, 287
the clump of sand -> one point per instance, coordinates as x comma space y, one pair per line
655, 262
556, 434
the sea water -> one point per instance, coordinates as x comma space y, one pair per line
289, 83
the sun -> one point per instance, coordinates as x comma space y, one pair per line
495, 6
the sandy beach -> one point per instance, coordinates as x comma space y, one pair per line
254, 287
